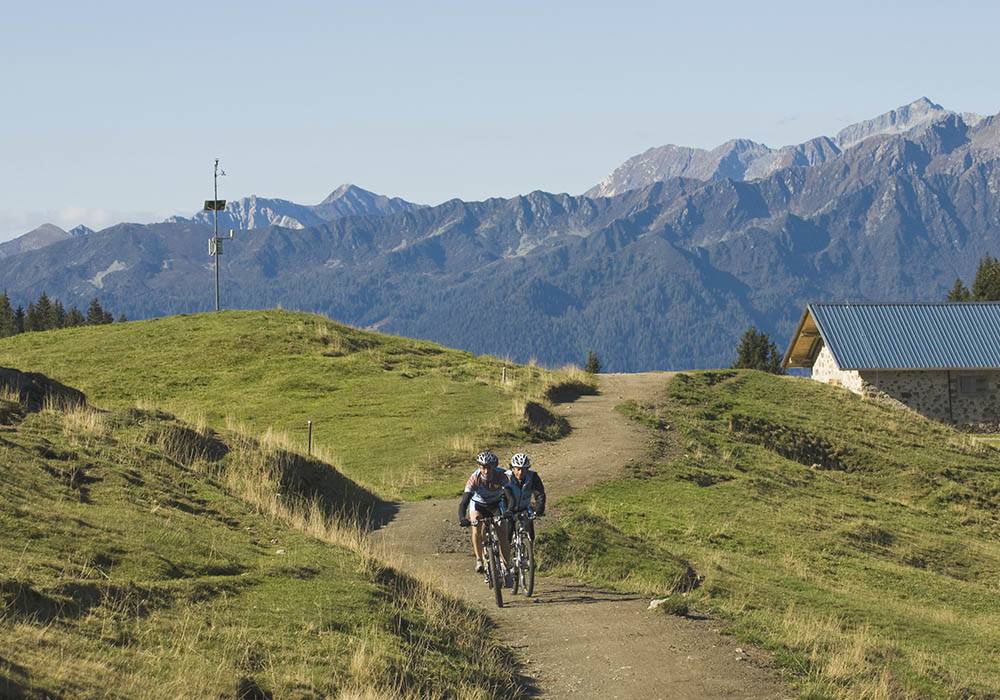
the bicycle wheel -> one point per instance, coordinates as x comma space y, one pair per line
528, 566
515, 554
496, 576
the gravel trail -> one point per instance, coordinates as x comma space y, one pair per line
577, 641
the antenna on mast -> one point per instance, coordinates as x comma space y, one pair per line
216, 205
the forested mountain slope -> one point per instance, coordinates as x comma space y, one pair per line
664, 276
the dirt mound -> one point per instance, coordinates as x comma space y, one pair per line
35, 390
542, 424
186, 445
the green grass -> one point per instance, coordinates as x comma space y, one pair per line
142, 557
859, 542
402, 417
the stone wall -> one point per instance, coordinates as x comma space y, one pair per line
825, 370
963, 398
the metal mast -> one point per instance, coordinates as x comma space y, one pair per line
215, 227
216, 205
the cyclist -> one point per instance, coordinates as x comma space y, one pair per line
485, 495
525, 485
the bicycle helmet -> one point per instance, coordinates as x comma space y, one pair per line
520, 461
487, 459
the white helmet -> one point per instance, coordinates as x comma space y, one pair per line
486, 458
520, 460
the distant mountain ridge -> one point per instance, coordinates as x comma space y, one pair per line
244, 214
255, 212
44, 235
742, 159
663, 276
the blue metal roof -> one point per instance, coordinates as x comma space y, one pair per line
911, 336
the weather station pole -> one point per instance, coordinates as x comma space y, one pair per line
215, 205
215, 226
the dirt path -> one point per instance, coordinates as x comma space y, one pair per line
577, 641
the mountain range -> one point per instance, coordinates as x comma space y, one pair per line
665, 273
255, 212
742, 159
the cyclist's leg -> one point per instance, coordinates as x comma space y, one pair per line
477, 532
504, 542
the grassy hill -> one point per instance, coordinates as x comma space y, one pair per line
146, 555
859, 542
402, 417
143, 557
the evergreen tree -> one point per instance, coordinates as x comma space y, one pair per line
20, 320
57, 315
43, 309
121, 318
75, 318
959, 292
33, 320
593, 363
6, 317
96, 315
986, 286
756, 351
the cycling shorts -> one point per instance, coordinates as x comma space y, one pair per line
485, 510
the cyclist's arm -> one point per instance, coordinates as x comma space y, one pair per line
508, 498
463, 506
539, 495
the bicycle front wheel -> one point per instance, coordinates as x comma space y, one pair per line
515, 553
496, 575
528, 565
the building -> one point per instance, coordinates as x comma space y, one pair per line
939, 359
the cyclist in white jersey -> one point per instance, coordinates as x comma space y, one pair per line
485, 495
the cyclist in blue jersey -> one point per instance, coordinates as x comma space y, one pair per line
525, 486
485, 495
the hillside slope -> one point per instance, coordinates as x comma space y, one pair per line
857, 541
397, 415
141, 557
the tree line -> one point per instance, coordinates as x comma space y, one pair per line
47, 314
985, 287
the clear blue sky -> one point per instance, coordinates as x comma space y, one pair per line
113, 111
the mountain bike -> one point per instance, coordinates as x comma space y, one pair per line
522, 554
492, 571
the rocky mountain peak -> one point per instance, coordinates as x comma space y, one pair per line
895, 121
33, 240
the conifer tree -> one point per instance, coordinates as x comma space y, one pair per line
43, 309
756, 351
6, 317
96, 315
20, 320
986, 286
57, 315
32, 319
593, 363
75, 318
959, 292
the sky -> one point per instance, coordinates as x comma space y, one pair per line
114, 111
